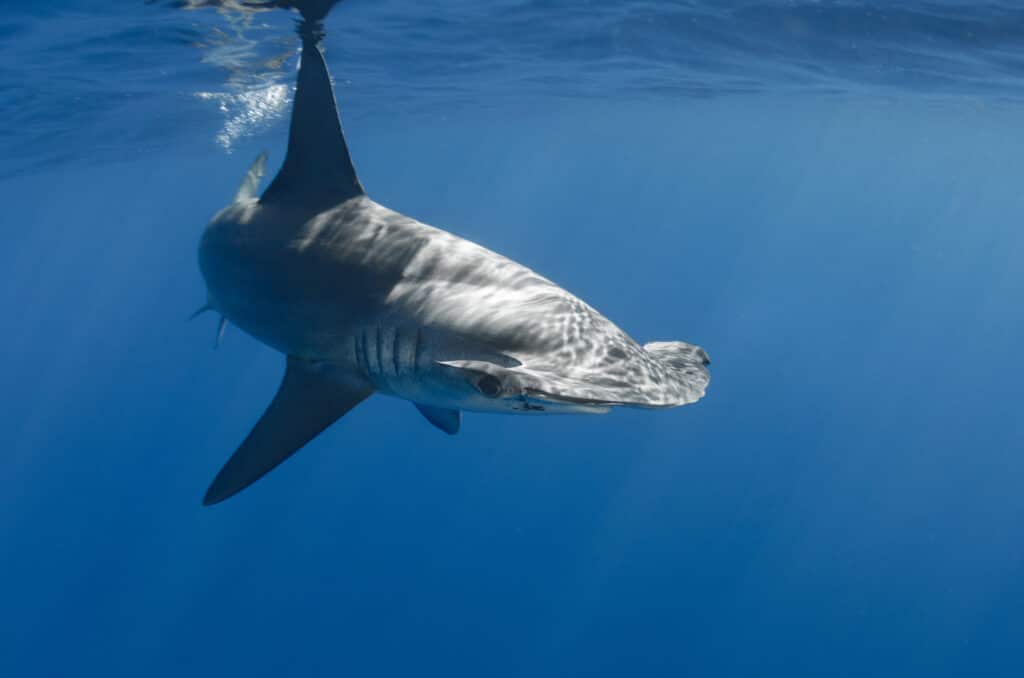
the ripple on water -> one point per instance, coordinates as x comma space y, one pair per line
80, 70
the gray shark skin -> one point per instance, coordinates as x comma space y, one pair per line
363, 300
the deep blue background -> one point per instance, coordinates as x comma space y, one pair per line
847, 500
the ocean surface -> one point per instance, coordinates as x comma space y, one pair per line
827, 196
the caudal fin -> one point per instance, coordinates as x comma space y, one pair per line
686, 363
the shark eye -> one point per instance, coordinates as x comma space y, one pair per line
489, 386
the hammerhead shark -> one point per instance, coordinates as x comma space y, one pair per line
362, 300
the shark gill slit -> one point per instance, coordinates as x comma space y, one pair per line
366, 351
416, 351
361, 353
380, 349
396, 347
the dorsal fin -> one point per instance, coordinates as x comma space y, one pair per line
317, 170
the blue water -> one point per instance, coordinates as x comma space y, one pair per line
825, 195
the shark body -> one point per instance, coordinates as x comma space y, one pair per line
363, 300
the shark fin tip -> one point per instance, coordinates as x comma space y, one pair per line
220, 332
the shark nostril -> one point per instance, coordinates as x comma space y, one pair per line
489, 386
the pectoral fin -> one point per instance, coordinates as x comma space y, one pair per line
445, 419
306, 403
